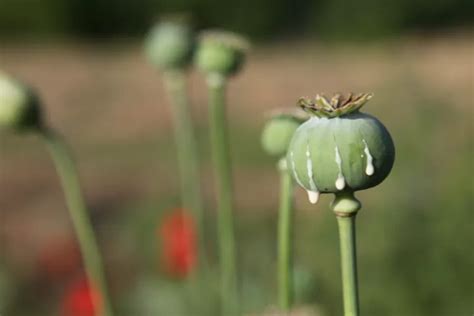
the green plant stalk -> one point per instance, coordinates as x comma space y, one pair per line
223, 175
285, 231
187, 151
85, 234
347, 241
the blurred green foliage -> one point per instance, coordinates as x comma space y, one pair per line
334, 19
414, 230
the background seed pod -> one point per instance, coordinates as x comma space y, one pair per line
277, 133
170, 44
221, 52
19, 108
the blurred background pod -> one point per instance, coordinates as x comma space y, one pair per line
221, 52
19, 105
279, 129
170, 43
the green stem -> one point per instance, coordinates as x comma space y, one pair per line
345, 207
223, 176
285, 224
79, 215
349, 264
187, 152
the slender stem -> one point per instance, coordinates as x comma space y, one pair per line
187, 151
223, 176
347, 241
79, 215
285, 225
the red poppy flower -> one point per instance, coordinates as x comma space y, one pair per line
178, 238
80, 300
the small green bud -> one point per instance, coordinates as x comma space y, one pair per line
279, 130
339, 149
169, 45
19, 108
221, 52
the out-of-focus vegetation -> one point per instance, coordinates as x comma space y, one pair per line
414, 230
329, 19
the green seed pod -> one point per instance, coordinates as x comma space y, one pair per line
279, 130
19, 108
221, 52
339, 148
169, 45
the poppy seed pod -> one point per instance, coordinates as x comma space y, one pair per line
19, 107
339, 149
279, 130
169, 45
221, 52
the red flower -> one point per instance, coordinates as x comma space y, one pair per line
81, 300
178, 237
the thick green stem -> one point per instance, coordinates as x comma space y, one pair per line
223, 176
285, 224
346, 206
187, 151
349, 264
79, 216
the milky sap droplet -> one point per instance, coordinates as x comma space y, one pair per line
313, 196
340, 181
309, 168
313, 193
369, 169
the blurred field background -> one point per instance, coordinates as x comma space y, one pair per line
415, 231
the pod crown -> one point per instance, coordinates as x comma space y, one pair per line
335, 106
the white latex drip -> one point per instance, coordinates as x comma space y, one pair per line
313, 193
313, 196
340, 181
369, 168
293, 168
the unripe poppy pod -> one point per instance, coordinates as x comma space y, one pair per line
170, 44
19, 107
339, 148
221, 52
279, 130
